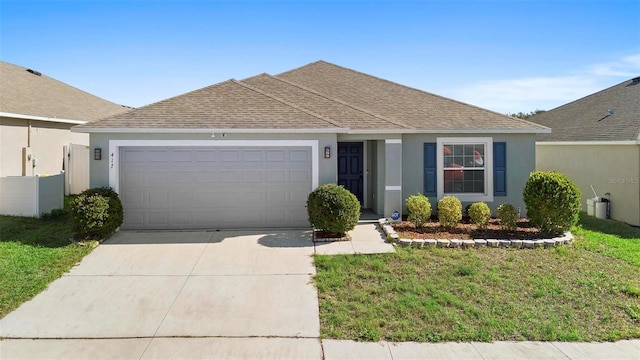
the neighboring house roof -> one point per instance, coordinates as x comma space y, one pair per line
319, 96
30, 94
612, 114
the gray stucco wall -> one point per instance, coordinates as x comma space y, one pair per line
520, 163
100, 168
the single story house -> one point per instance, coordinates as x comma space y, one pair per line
36, 115
246, 154
596, 142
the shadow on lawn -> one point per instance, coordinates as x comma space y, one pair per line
611, 227
50, 231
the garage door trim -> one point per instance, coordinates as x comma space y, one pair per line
114, 152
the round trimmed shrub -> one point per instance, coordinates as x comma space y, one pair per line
480, 214
419, 209
553, 202
508, 216
96, 212
333, 208
449, 211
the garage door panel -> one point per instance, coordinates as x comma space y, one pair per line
229, 155
158, 218
217, 187
299, 176
207, 155
158, 198
134, 219
157, 156
300, 156
253, 198
276, 155
276, 176
253, 176
252, 155
182, 198
133, 198
229, 176
156, 177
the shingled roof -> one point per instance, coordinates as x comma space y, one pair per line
318, 96
612, 114
31, 93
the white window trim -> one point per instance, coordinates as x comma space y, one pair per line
114, 152
488, 166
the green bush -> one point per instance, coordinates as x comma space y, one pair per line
333, 208
508, 216
449, 211
553, 202
419, 209
480, 214
96, 212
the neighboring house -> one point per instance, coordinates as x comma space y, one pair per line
596, 142
36, 114
246, 154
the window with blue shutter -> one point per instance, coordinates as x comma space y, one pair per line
430, 170
500, 169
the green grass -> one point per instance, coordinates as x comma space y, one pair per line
589, 291
34, 252
609, 237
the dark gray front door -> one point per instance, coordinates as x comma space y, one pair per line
350, 168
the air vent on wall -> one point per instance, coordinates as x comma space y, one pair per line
34, 72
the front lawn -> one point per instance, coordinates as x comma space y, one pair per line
34, 252
589, 291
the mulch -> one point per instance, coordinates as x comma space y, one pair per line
467, 231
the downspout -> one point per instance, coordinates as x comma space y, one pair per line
29, 134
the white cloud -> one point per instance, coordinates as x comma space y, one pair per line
545, 93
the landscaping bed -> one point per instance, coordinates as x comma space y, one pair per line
467, 231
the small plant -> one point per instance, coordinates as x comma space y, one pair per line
419, 209
480, 214
449, 211
96, 212
508, 216
333, 208
553, 202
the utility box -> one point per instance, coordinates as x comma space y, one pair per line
602, 209
598, 207
591, 206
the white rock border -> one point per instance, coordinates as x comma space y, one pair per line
395, 239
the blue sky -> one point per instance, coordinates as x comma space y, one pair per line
506, 56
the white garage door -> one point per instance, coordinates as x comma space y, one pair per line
214, 187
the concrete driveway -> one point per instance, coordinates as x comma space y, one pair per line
224, 293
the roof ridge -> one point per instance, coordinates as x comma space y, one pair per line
307, 111
415, 89
357, 108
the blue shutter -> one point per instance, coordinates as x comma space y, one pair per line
500, 169
430, 170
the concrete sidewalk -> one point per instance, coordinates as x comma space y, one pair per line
307, 348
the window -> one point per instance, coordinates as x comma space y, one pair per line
464, 168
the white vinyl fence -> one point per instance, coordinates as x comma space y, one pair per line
76, 165
31, 195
